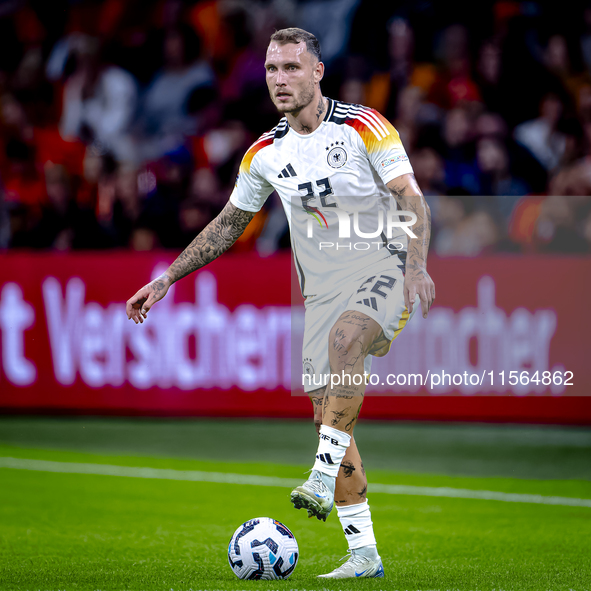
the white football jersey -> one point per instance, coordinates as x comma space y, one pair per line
332, 183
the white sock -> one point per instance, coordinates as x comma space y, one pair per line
332, 446
357, 525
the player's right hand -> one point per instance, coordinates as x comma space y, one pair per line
138, 306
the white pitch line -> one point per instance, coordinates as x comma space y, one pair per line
485, 495
229, 478
150, 473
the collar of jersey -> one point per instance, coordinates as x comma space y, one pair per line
329, 110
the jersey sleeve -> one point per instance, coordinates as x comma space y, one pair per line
251, 189
382, 143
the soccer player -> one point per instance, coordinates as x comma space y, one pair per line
341, 167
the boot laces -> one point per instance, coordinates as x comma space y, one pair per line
316, 485
354, 559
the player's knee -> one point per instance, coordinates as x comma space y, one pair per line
344, 339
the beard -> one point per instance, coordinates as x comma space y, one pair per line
300, 101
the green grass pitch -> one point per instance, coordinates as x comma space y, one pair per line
86, 531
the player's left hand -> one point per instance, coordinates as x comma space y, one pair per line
419, 283
138, 306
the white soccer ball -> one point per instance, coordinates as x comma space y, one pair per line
263, 548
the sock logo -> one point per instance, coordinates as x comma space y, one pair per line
324, 458
328, 438
350, 530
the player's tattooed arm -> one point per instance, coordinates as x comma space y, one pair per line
409, 197
218, 236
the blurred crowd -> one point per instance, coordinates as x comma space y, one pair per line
123, 122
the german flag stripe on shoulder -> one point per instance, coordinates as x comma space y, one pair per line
264, 141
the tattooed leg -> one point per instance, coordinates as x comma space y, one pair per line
317, 398
350, 341
351, 484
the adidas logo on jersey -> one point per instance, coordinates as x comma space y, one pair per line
350, 530
287, 172
324, 458
371, 302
